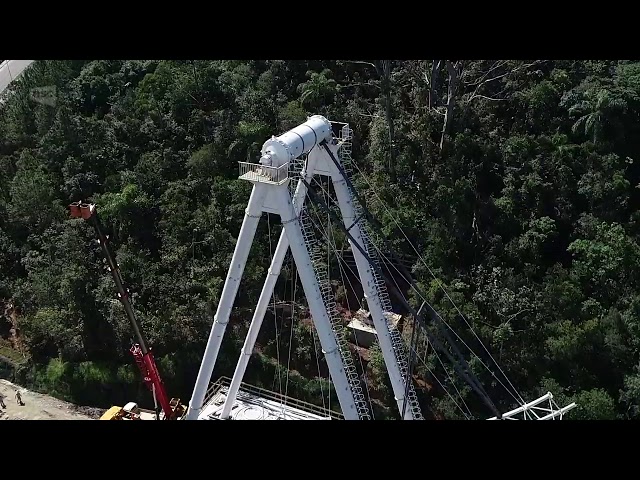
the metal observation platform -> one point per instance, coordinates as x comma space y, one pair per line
254, 172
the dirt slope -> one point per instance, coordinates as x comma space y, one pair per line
40, 407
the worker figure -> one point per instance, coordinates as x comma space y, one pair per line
19, 398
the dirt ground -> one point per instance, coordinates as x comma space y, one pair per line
40, 407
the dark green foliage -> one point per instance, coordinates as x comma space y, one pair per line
525, 204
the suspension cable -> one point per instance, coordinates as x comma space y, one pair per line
432, 313
407, 277
441, 321
330, 238
320, 379
439, 283
413, 345
447, 391
277, 374
294, 281
446, 371
435, 342
333, 246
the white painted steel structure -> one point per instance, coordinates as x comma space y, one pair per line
270, 194
533, 410
270, 178
319, 162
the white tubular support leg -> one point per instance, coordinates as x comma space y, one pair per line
265, 295
254, 329
317, 307
229, 292
373, 300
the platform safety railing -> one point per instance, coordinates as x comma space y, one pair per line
255, 172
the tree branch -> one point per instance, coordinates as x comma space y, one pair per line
486, 98
362, 62
496, 65
514, 315
362, 84
482, 82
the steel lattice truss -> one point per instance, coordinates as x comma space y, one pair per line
538, 410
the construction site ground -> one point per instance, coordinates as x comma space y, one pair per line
40, 407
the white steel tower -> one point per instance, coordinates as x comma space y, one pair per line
270, 194
270, 178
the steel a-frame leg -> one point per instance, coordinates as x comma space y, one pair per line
293, 231
267, 290
252, 215
380, 321
319, 158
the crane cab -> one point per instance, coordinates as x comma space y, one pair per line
114, 413
131, 411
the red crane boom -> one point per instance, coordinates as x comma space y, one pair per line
141, 353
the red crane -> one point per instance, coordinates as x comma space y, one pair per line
141, 353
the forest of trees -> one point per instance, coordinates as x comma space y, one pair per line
517, 181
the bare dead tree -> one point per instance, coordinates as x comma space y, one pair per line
454, 69
383, 68
495, 70
468, 81
433, 88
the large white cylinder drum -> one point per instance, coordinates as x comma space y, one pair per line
296, 142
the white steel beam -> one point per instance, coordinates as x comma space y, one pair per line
380, 321
267, 290
229, 292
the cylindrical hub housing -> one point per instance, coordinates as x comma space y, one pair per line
290, 145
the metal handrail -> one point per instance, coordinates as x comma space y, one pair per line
293, 402
256, 172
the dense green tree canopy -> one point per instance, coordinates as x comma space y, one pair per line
517, 182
